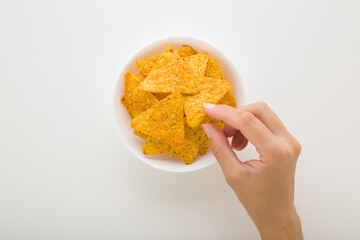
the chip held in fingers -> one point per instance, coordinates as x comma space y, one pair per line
212, 90
165, 101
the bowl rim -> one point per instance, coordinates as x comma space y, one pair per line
114, 98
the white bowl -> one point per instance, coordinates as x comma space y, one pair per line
122, 117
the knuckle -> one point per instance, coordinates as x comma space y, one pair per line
287, 149
283, 150
262, 105
286, 153
246, 117
297, 147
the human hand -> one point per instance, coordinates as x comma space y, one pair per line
265, 186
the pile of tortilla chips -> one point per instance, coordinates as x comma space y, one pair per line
166, 97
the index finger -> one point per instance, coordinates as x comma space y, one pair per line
251, 127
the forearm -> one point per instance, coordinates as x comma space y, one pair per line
289, 229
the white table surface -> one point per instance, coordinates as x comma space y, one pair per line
65, 174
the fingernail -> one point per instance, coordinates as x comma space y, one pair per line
206, 130
239, 147
209, 105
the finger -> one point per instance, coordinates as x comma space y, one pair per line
267, 116
251, 127
222, 150
244, 145
229, 131
238, 141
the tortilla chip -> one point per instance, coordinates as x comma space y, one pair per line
130, 82
203, 138
140, 76
171, 74
168, 58
145, 65
196, 64
167, 80
140, 134
218, 123
169, 48
203, 149
191, 146
212, 90
155, 146
135, 100
185, 51
228, 99
163, 120
174, 152
213, 69
160, 96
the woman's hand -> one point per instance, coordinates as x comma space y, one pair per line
265, 186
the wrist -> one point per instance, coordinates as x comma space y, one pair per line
287, 226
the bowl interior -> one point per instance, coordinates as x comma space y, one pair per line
122, 118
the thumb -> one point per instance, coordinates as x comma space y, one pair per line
222, 150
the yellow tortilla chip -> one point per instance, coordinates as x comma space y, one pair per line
140, 134
203, 149
130, 82
168, 58
212, 90
160, 96
167, 80
145, 65
196, 64
191, 146
174, 152
228, 99
213, 69
171, 74
136, 100
204, 143
163, 120
140, 76
203, 138
155, 146
218, 123
185, 51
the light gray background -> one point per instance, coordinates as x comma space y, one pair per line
64, 173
